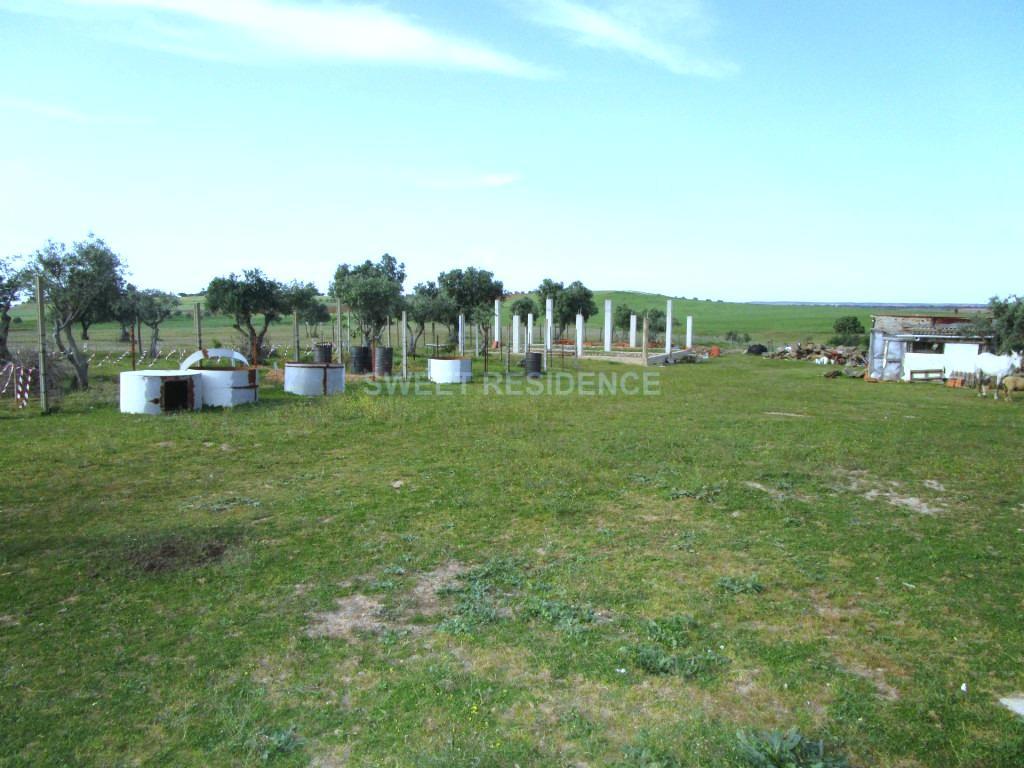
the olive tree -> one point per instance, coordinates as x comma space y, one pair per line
574, 299
472, 293
373, 292
12, 283
524, 306
244, 299
1005, 323
153, 308
303, 299
73, 279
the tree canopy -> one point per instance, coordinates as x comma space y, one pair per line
243, 299
621, 315
524, 306
373, 292
1005, 322
76, 284
574, 299
153, 308
470, 288
12, 283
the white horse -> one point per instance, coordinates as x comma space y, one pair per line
999, 366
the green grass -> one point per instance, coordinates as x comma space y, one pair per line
631, 581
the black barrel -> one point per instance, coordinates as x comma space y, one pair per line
323, 352
534, 362
382, 361
361, 360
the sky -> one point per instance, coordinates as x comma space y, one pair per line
793, 150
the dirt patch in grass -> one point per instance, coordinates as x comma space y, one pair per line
176, 553
426, 594
358, 613
351, 615
876, 676
890, 491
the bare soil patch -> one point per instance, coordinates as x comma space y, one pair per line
890, 491
176, 553
358, 613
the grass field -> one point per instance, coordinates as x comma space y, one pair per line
779, 324
495, 580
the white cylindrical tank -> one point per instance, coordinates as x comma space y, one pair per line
228, 387
457, 371
314, 379
156, 392
225, 387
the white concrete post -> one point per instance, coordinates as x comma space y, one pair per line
549, 323
515, 334
462, 335
497, 322
607, 325
529, 330
668, 328
689, 331
632, 330
579, 336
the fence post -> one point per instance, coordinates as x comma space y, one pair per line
44, 400
197, 312
644, 350
295, 336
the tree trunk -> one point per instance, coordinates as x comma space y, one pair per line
125, 335
85, 329
5, 327
153, 339
78, 361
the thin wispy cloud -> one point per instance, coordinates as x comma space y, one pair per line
66, 114
469, 181
635, 28
326, 30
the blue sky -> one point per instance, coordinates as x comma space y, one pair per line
793, 150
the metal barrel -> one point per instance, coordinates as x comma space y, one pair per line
361, 360
382, 361
323, 352
534, 362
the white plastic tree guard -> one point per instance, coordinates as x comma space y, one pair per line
632, 330
314, 379
549, 323
579, 335
668, 328
455, 371
497, 322
225, 387
689, 331
607, 325
156, 392
529, 332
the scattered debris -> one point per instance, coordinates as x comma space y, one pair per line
397, 484
821, 354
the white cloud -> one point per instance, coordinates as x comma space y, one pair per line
326, 30
634, 28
